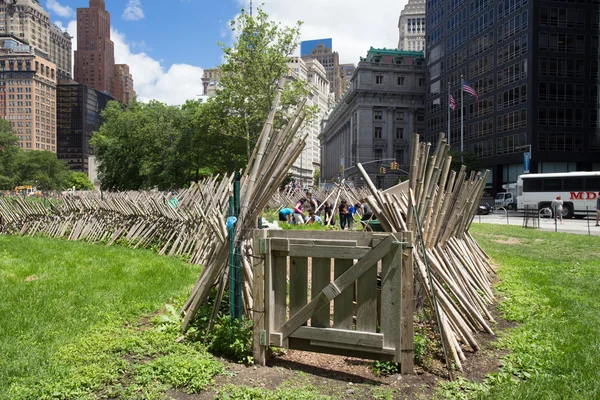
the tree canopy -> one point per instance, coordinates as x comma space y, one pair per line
41, 169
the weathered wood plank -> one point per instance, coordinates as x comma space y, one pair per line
298, 283
339, 252
342, 305
391, 276
407, 355
320, 278
278, 311
340, 336
366, 299
258, 349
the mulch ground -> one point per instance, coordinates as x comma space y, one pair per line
351, 378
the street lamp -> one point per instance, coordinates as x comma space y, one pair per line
526, 157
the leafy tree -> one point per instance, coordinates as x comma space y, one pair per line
249, 79
145, 145
9, 153
317, 176
41, 169
80, 180
469, 159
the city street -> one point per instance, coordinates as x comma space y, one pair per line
578, 226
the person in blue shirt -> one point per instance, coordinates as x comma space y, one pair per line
314, 218
285, 215
350, 217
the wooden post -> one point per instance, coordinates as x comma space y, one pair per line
259, 348
407, 355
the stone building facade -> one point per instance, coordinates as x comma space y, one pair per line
374, 121
28, 95
412, 26
28, 22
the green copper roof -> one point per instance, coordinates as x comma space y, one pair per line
373, 52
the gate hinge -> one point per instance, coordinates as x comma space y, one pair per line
262, 338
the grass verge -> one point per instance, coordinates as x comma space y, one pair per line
550, 285
70, 321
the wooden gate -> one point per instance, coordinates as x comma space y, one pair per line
301, 273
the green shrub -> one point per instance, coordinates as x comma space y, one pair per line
232, 339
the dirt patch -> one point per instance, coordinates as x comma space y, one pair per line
31, 278
352, 378
508, 240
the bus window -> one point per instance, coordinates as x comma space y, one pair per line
552, 185
532, 185
592, 184
572, 184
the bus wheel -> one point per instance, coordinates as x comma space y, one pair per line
567, 211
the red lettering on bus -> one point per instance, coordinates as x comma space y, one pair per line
591, 195
576, 196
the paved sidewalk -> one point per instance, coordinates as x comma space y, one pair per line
577, 226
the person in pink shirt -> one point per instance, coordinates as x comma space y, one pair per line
299, 211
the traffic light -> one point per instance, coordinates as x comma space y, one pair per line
394, 166
382, 170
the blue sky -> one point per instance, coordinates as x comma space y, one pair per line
167, 43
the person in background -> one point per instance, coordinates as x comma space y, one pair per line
598, 210
557, 208
367, 213
328, 213
351, 212
312, 202
299, 211
285, 215
314, 218
343, 211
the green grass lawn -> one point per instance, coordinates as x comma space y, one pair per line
68, 315
550, 285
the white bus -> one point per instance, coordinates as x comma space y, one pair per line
578, 190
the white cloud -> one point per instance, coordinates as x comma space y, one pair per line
133, 11
354, 25
60, 10
175, 85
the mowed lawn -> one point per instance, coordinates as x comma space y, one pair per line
54, 292
550, 286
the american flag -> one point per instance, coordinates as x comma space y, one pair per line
452, 103
469, 89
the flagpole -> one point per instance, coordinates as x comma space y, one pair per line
449, 115
462, 122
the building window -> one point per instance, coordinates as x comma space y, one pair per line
378, 132
400, 80
377, 155
400, 156
378, 115
400, 116
421, 81
399, 133
379, 79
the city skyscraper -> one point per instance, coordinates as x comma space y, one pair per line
312, 72
412, 26
28, 22
322, 51
95, 54
535, 67
78, 117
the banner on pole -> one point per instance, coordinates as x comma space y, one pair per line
526, 161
